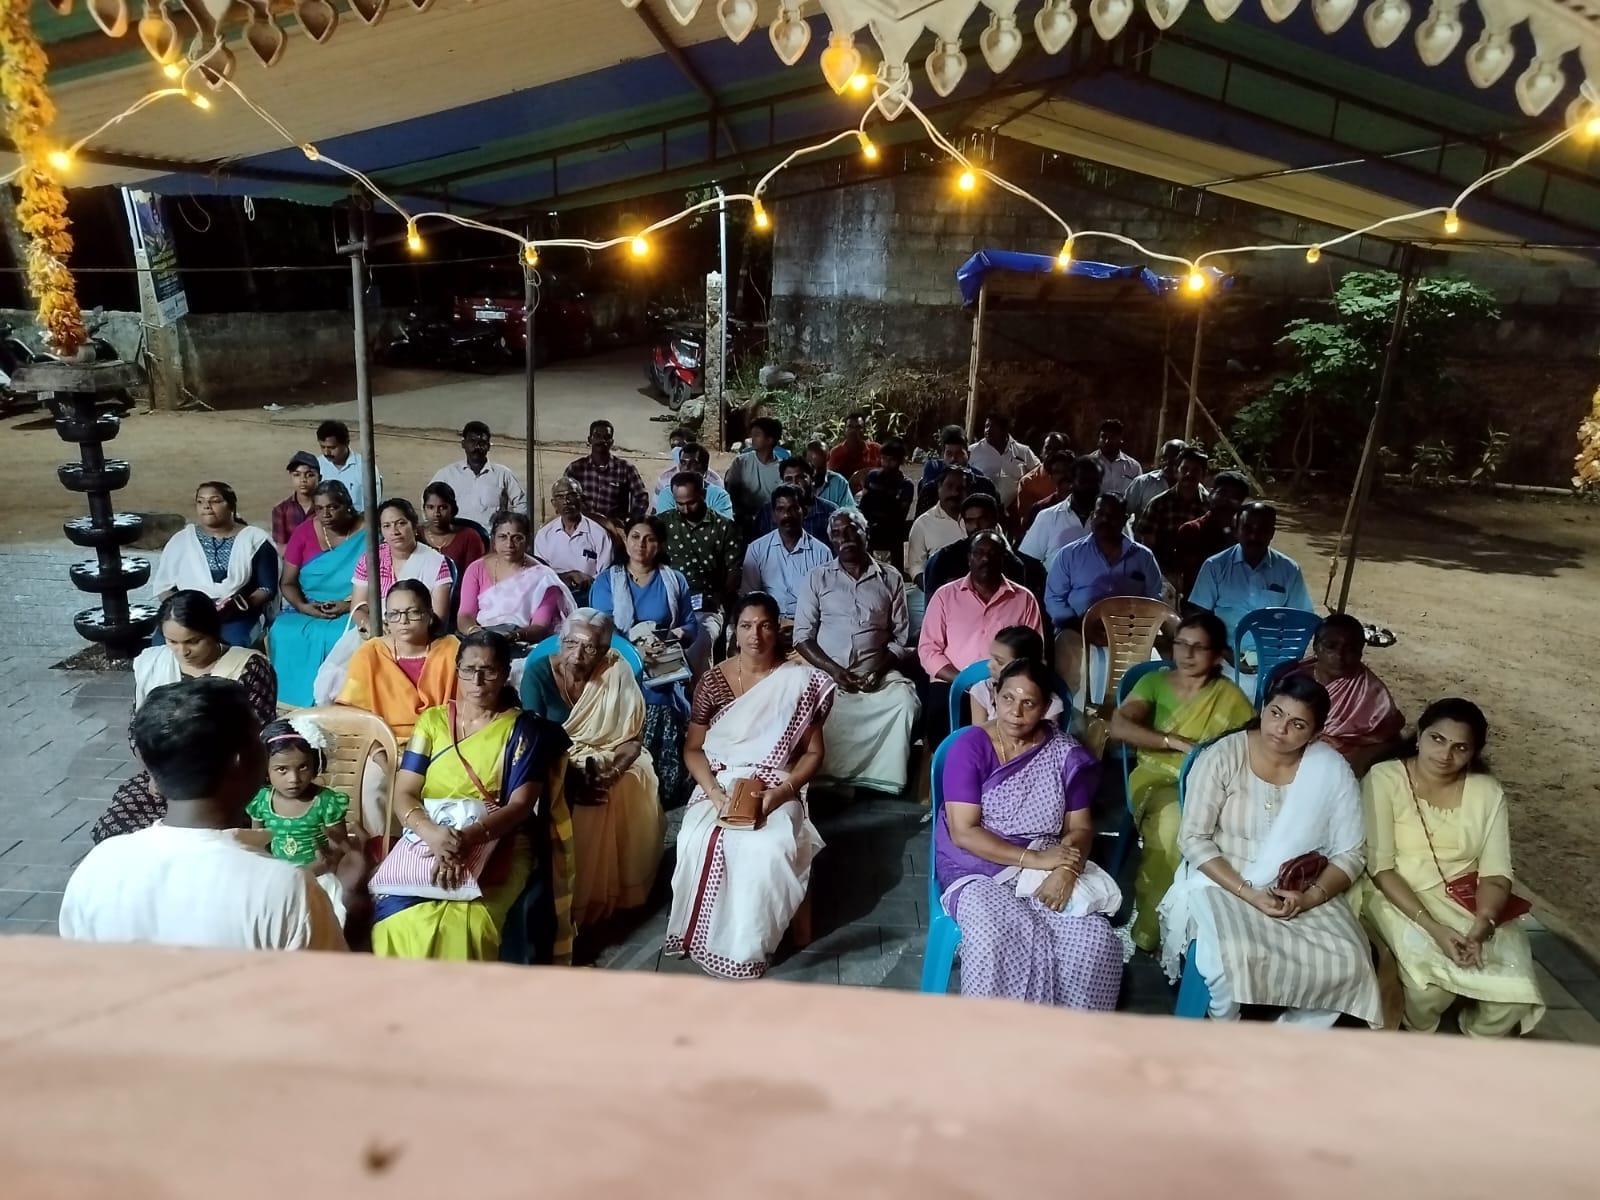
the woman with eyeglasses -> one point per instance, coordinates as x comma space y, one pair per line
1272, 837
1166, 714
479, 747
409, 667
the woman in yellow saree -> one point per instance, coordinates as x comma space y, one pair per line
482, 747
1166, 715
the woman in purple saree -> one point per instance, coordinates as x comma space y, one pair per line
1011, 856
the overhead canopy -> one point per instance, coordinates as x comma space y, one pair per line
507, 107
1015, 277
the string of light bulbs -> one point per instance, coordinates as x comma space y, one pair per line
889, 101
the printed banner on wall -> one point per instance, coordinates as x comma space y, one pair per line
161, 293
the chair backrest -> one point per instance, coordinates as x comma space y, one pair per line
1137, 672
976, 673
358, 735
618, 643
1183, 771
935, 806
1131, 624
1280, 635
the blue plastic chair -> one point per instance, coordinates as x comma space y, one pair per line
618, 643
979, 671
1194, 997
944, 935
1127, 833
1280, 635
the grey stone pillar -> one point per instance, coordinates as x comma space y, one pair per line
713, 430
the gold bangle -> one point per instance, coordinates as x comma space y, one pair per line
1021, 856
406, 816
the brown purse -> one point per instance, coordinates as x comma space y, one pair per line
1464, 888
744, 805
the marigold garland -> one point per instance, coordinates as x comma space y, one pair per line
42, 210
1587, 464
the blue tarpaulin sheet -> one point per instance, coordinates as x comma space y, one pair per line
970, 275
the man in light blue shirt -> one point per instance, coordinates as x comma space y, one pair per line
1252, 574
338, 463
1105, 562
697, 459
779, 562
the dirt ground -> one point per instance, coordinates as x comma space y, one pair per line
1491, 598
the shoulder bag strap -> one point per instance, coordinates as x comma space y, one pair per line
1417, 804
455, 744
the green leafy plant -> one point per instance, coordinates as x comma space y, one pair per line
1491, 457
1430, 465
1322, 408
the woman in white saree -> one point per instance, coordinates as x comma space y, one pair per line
734, 891
1272, 835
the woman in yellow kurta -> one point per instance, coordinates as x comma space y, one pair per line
1440, 792
481, 747
1166, 715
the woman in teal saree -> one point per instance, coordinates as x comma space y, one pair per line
318, 565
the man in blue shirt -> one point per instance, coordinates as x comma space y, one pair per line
953, 456
695, 457
1252, 574
796, 472
778, 562
1105, 562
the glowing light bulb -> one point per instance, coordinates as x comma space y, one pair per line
413, 238
310, 152
171, 70
1591, 127
199, 101
860, 81
1452, 223
639, 246
1064, 259
1196, 281
868, 150
530, 254
61, 160
967, 181
762, 220
1313, 253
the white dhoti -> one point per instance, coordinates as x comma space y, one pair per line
867, 737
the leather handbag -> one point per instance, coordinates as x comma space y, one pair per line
744, 805
1301, 872
1463, 889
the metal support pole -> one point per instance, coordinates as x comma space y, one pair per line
977, 357
1194, 370
1368, 471
530, 304
357, 250
1161, 415
722, 321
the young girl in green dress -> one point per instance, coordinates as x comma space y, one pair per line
301, 817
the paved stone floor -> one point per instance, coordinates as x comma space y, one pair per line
65, 750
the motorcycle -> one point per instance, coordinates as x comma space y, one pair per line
16, 354
676, 367
476, 346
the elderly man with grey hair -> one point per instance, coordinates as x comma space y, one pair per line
851, 622
576, 546
589, 689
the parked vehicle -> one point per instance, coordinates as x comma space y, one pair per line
16, 353
564, 322
676, 365
420, 342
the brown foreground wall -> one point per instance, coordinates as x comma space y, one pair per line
191, 1075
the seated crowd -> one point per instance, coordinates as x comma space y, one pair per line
725, 642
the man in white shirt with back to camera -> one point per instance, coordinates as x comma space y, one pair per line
198, 877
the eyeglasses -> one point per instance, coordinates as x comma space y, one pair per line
479, 673
405, 616
1192, 647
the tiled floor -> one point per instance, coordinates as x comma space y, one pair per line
65, 751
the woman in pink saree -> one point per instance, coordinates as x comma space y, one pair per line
734, 891
1364, 723
510, 591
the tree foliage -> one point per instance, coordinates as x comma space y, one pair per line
1319, 412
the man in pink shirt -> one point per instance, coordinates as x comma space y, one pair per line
962, 618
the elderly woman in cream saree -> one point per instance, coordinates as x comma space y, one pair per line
617, 822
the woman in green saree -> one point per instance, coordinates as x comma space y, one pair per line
1167, 714
481, 746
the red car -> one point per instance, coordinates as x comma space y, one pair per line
563, 325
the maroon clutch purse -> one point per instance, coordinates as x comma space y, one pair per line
1464, 891
1298, 874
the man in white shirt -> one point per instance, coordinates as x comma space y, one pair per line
338, 462
1118, 470
1066, 520
196, 877
1001, 458
576, 547
939, 526
482, 488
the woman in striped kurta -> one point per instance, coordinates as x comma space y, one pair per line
1255, 801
